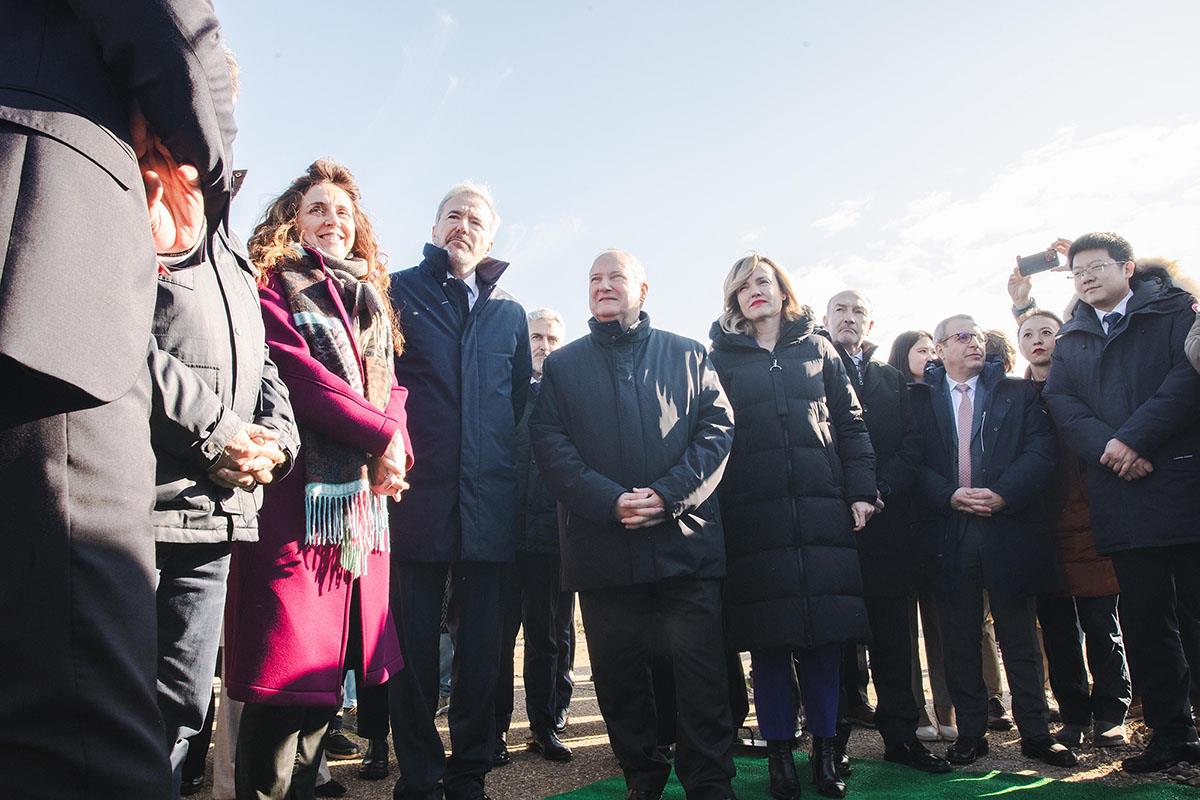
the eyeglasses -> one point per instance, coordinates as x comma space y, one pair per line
1090, 269
963, 337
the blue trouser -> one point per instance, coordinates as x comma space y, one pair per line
819, 670
191, 602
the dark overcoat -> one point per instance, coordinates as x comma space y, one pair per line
211, 372
537, 524
801, 454
1137, 386
889, 548
620, 410
1013, 454
75, 250
468, 377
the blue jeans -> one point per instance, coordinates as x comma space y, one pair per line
190, 600
819, 671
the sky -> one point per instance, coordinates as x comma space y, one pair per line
907, 150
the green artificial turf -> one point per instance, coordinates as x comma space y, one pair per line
879, 780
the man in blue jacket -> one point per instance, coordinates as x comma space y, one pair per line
467, 367
988, 458
1128, 403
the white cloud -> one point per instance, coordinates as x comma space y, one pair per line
750, 237
944, 252
542, 242
446, 19
843, 216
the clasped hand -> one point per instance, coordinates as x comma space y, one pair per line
1124, 460
249, 458
388, 472
981, 502
640, 508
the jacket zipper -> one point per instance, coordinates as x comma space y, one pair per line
782, 411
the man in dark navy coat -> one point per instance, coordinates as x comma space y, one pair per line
631, 433
988, 460
78, 716
467, 367
887, 549
1127, 401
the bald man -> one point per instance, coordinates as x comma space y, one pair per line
631, 433
886, 547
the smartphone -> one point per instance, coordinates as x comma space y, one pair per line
1038, 262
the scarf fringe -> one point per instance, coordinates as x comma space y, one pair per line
350, 516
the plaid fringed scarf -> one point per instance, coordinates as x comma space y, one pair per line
340, 508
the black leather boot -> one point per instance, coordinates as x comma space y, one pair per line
840, 759
824, 770
782, 771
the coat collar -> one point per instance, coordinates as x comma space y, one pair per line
1148, 298
790, 333
437, 264
610, 333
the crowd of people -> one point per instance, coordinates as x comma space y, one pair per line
338, 470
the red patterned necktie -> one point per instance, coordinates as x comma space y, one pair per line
965, 416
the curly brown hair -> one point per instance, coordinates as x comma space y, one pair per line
271, 245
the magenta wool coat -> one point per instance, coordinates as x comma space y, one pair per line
287, 615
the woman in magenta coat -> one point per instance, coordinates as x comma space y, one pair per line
310, 598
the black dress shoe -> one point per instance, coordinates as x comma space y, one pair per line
1162, 753
549, 745
642, 794
824, 770
402, 791
1070, 735
1049, 751
191, 786
501, 758
338, 746
330, 788
966, 749
781, 771
998, 718
914, 754
375, 762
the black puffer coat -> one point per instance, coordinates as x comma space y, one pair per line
800, 455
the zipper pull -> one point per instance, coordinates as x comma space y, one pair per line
775, 365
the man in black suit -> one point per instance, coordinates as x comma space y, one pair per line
1128, 403
988, 460
886, 548
78, 716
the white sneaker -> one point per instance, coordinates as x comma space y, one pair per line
928, 733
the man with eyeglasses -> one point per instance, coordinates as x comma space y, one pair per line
988, 459
1128, 403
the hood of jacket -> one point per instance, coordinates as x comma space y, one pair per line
789, 333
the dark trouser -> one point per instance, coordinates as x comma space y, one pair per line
961, 613
856, 677
819, 670
564, 685
621, 628
897, 712
78, 716
531, 598
373, 701
473, 617
1065, 623
1154, 580
191, 601
198, 744
279, 751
